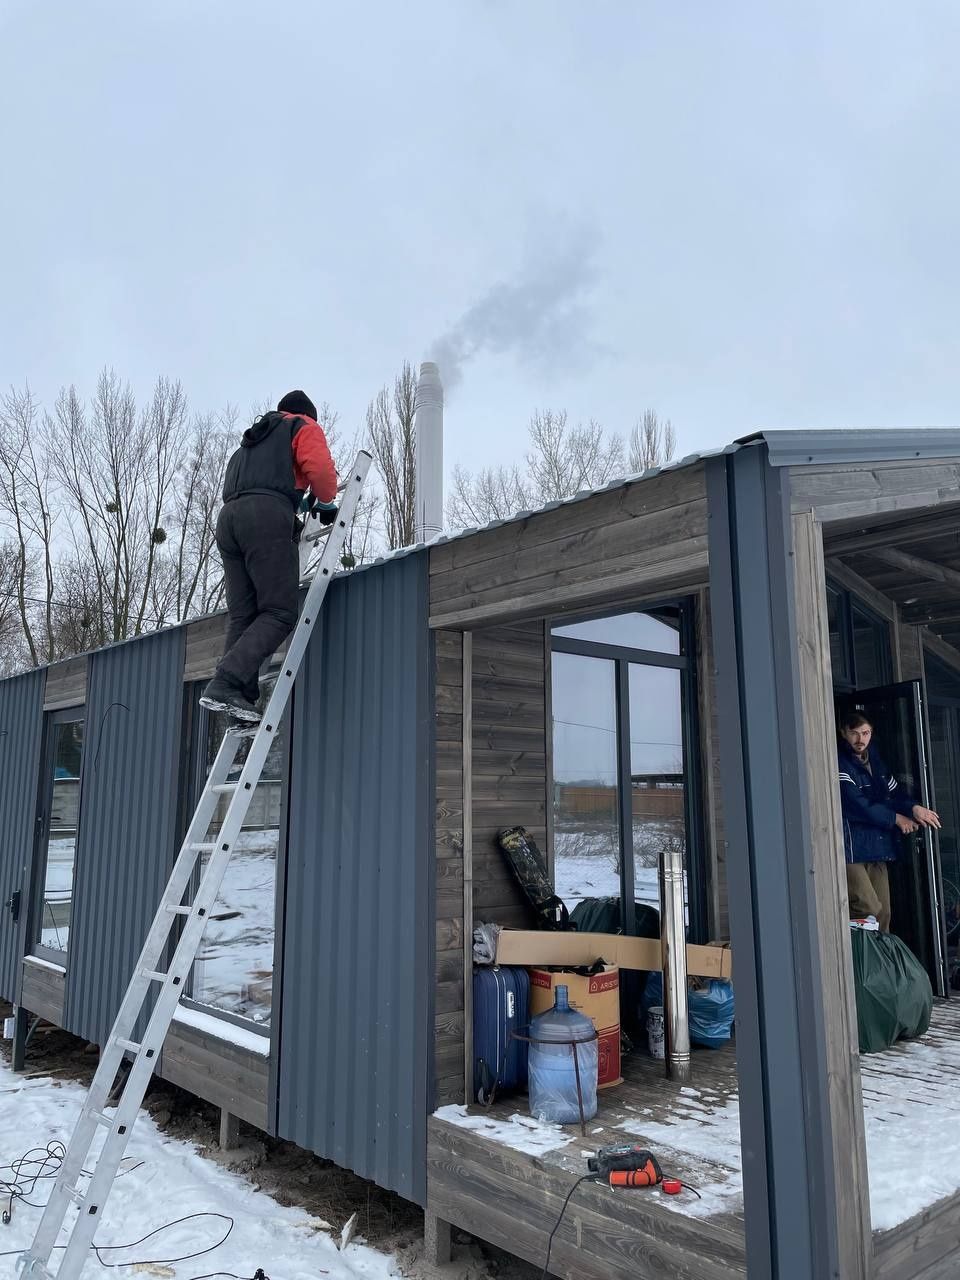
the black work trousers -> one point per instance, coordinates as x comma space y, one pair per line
261, 570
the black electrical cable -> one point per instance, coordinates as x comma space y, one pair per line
587, 1177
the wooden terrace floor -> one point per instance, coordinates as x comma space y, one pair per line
479, 1180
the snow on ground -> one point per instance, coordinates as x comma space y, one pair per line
520, 1133
171, 1182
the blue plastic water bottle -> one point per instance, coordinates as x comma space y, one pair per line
552, 1073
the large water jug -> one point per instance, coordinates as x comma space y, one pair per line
552, 1073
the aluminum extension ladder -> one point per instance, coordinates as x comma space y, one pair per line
91, 1198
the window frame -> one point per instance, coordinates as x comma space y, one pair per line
41, 833
847, 680
193, 782
684, 662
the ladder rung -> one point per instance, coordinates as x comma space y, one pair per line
179, 911
102, 1118
154, 975
225, 787
129, 1045
76, 1196
203, 847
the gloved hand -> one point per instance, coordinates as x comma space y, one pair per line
326, 512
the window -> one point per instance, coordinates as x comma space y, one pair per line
624, 770
658, 633
57, 826
656, 773
860, 654
586, 837
233, 971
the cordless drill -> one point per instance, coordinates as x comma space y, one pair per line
626, 1166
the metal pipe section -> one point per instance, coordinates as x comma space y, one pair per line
428, 497
673, 944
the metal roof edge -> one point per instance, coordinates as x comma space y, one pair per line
837, 445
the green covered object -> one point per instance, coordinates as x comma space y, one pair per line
603, 915
894, 996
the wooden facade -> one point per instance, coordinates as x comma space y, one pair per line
883, 530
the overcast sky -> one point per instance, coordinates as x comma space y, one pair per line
743, 215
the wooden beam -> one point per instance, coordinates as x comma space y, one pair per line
892, 532
941, 649
852, 581
832, 910
931, 615
925, 569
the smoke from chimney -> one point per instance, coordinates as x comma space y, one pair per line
542, 316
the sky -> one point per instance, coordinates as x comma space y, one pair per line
741, 215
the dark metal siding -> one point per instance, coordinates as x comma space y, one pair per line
21, 729
128, 817
356, 1031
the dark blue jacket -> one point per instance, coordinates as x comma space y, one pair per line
870, 799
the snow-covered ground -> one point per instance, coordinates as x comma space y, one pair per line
162, 1180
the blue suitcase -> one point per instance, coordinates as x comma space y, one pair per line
501, 1005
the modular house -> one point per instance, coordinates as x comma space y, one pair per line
660, 660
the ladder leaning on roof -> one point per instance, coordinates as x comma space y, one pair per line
101, 1168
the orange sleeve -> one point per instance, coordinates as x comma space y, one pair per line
312, 457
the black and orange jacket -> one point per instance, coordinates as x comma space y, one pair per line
282, 454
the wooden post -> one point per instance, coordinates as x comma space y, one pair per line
467, 869
229, 1130
832, 912
436, 1240
18, 1054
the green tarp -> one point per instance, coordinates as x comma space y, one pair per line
894, 996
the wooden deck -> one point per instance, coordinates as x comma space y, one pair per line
483, 1184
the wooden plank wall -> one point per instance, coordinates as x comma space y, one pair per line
509, 761
448, 718
66, 684
218, 1071
851, 492
203, 647
42, 990
645, 536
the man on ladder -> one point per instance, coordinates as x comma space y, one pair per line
282, 455
87, 1173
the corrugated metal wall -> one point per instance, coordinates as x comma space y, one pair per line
356, 1031
128, 819
21, 724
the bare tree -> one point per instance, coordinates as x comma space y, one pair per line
392, 440
652, 442
561, 460
27, 509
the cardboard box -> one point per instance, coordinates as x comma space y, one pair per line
532, 947
598, 996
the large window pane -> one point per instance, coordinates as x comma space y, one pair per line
659, 634
586, 816
871, 649
656, 773
234, 966
60, 832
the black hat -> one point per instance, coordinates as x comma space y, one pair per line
298, 402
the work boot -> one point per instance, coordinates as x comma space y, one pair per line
219, 695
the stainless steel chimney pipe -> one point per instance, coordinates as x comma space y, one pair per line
673, 945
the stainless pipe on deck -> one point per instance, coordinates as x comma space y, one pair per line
673, 946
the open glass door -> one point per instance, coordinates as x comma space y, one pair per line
901, 734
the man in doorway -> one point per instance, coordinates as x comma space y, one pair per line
876, 811
282, 455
